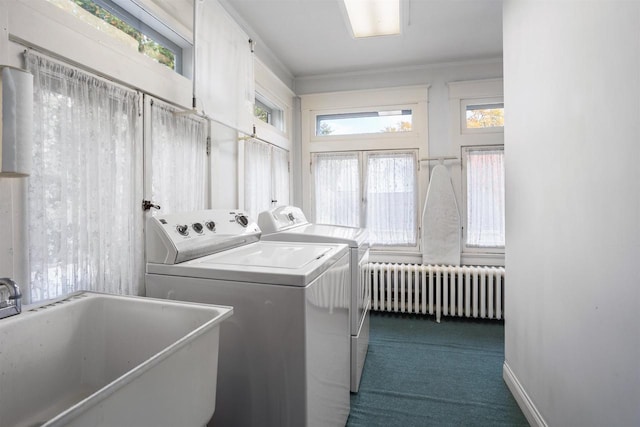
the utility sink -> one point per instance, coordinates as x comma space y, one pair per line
100, 360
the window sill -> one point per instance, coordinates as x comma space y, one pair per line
467, 258
405, 257
409, 257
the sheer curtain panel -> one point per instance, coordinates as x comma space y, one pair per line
391, 198
85, 221
257, 177
179, 160
280, 160
337, 188
485, 198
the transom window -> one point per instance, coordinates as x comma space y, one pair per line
123, 26
485, 115
268, 112
365, 122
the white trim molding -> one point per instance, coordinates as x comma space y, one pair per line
522, 398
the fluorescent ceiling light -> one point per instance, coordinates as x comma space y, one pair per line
370, 18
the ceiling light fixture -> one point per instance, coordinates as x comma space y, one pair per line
370, 18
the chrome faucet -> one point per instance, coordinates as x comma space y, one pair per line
10, 298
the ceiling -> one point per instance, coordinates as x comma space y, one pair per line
311, 37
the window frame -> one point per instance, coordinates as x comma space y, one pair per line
30, 27
462, 93
416, 197
470, 249
464, 103
149, 24
388, 98
276, 113
375, 136
365, 113
137, 21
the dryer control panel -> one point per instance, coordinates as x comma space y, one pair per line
280, 219
179, 237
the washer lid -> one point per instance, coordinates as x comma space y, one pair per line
278, 263
323, 233
291, 257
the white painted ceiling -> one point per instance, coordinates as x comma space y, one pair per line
311, 37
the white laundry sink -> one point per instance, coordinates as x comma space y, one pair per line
94, 359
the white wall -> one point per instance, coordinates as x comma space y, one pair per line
224, 167
572, 143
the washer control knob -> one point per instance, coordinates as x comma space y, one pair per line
197, 227
291, 217
210, 225
183, 229
242, 220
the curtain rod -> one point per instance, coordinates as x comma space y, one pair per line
194, 111
202, 114
440, 158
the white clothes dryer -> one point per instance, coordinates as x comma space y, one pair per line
284, 354
289, 224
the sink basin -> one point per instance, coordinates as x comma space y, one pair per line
94, 359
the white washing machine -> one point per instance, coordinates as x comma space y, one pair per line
288, 223
284, 354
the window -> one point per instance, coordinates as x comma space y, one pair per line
379, 184
477, 131
391, 198
485, 116
109, 17
178, 160
85, 222
485, 209
280, 184
362, 148
482, 115
337, 187
266, 177
268, 112
383, 121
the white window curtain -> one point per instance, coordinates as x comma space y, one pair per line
85, 221
179, 160
337, 193
485, 198
391, 198
257, 177
280, 190
225, 84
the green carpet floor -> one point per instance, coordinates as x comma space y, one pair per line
422, 373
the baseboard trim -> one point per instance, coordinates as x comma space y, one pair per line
522, 398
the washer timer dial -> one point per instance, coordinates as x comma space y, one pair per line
242, 220
183, 229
